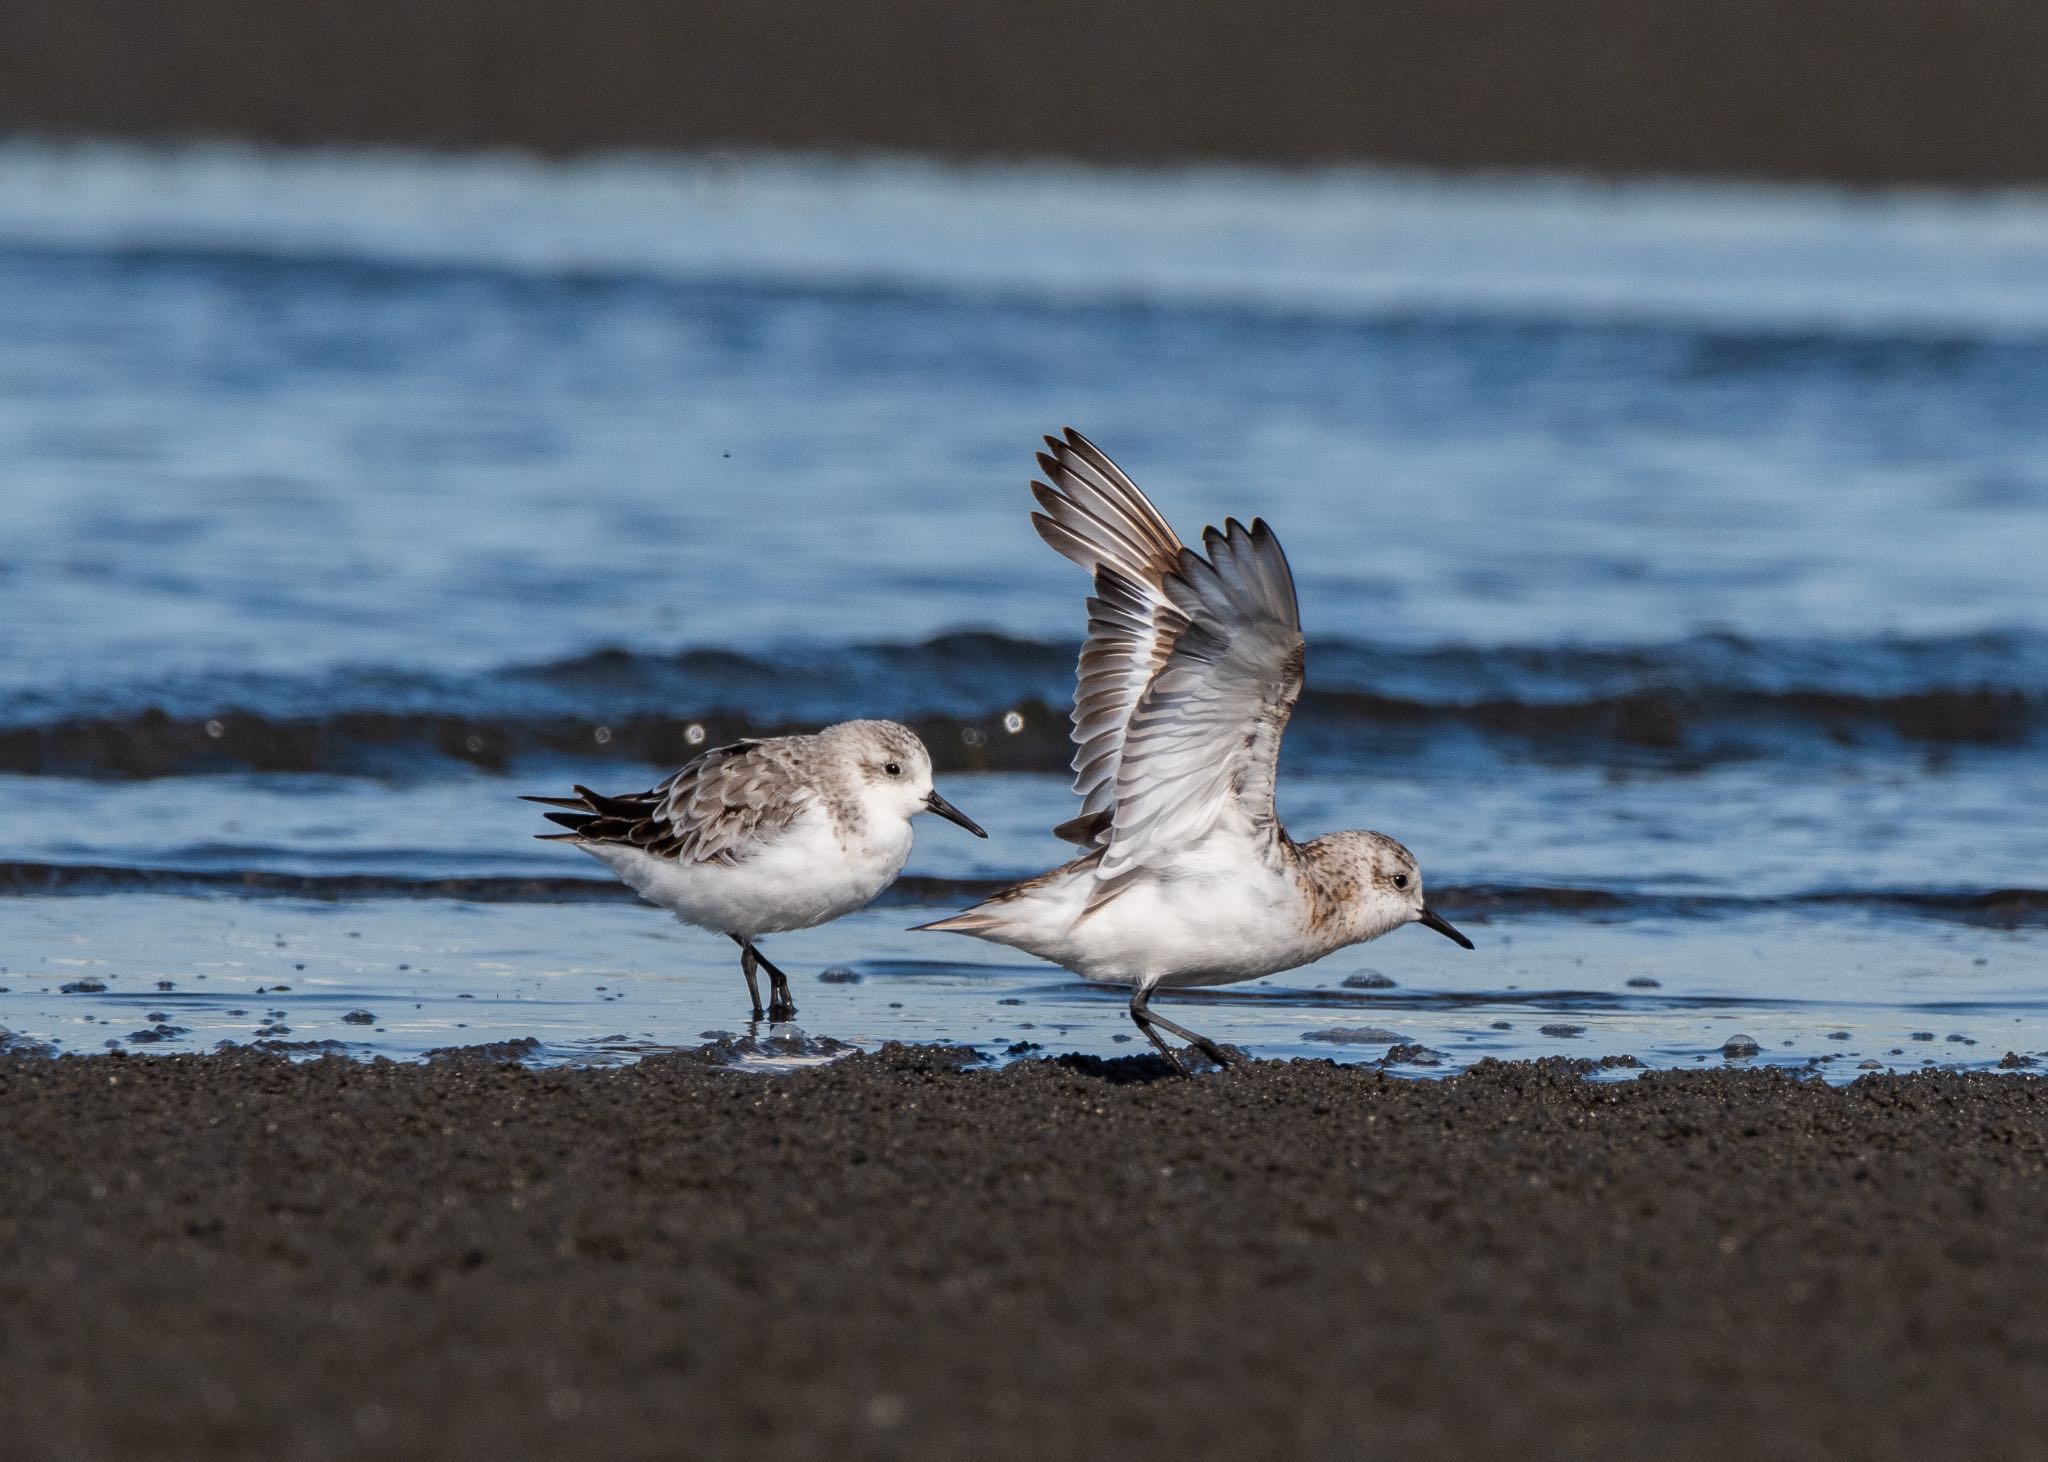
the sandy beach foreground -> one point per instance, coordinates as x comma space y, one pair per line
235, 1255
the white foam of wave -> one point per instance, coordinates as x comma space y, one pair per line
1347, 241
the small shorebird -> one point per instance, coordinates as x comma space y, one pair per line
1192, 663
764, 836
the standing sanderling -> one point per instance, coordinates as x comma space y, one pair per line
1191, 667
765, 836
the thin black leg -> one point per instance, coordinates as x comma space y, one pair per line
1144, 1020
1151, 1025
781, 1004
747, 959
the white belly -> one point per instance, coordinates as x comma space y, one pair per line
1206, 925
805, 878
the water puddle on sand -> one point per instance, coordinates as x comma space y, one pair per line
594, 984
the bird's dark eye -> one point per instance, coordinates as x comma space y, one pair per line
1400, 880
894, 769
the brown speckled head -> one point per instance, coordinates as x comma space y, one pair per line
1360, 885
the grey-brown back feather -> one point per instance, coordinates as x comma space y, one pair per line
717, 809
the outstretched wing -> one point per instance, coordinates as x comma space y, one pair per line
1192, 666
1203, 742
1097, 517
720, 808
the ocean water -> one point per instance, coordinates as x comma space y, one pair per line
1672, 560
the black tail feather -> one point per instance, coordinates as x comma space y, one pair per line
627, 807
594, 817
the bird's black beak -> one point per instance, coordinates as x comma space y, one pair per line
951, 813
1431, 919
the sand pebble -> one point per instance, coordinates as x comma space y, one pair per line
1354, 1035
1367, 980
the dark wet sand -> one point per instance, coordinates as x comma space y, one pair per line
1858, 90
887, 1257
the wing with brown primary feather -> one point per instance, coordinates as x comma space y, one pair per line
1097, 517
719, 808
1190, 671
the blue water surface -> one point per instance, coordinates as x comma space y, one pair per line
1674, 551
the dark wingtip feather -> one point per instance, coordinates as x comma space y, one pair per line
569, 802
1086, 829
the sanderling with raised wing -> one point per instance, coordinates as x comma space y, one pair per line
761, 837
1191, 666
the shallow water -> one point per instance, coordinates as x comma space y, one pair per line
599, 982
1671, 561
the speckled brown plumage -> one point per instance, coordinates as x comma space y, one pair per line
729, 802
